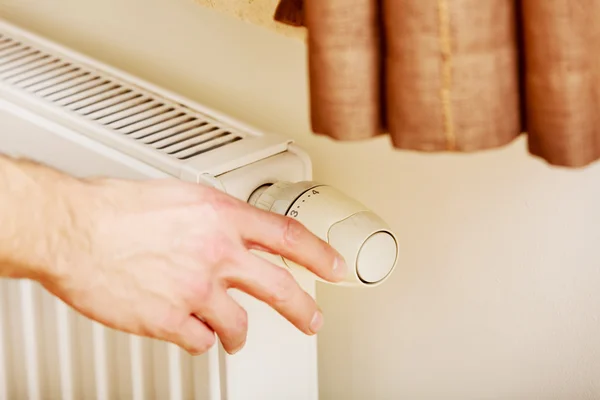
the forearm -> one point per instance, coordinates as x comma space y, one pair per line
35, 215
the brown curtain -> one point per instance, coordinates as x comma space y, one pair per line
456, 75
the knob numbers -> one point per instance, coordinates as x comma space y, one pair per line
365, 241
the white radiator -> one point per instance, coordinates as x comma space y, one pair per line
86, 118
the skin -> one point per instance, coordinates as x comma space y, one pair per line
155, 258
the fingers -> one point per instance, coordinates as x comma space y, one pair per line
227, 318
194, 336
289, 238
276, 286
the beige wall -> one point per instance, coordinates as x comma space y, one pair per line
498, 294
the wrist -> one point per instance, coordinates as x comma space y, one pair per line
37, 219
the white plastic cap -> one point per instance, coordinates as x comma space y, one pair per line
376, 258
370, 250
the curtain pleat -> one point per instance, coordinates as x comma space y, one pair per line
344, 58
562, 75
458, 75
452, 74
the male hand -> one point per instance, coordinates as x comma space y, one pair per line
155, 258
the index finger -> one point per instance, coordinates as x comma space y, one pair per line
289, 238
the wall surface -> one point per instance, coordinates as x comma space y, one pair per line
256, 12
498, 293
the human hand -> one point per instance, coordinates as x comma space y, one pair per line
156, 258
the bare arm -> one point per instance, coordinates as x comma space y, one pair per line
154, 258
34, 218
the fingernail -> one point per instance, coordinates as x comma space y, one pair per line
340, 269
317, 322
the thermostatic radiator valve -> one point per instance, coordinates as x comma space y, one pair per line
367, 244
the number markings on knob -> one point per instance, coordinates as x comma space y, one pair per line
295, 213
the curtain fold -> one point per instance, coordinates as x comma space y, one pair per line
344, 63
452, 74
562, 75
457, 75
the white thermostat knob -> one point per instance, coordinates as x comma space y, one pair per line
365, 241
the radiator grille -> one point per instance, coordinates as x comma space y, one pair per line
169, 128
